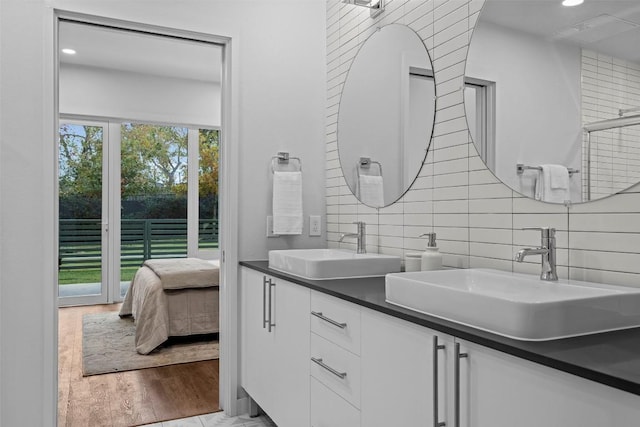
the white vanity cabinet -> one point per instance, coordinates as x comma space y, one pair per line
405, 378
336, 383
498, 390
401, 372
310, 359
275, 346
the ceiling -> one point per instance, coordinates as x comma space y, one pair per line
607, 26
131, 51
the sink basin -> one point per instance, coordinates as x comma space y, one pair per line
516, 305
318, 264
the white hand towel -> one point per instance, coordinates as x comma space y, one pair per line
287, 202
552, 184
371, 190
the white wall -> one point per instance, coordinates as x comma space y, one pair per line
278, 103
538, 117
110, 93
26, 195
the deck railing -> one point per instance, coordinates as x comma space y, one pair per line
140, 239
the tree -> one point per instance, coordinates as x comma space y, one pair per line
80, 171
153, 167
80, 160
209, 141
154, 159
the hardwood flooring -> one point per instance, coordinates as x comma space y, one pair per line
128, 398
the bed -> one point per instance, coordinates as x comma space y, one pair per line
169, 298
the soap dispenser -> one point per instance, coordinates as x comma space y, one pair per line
431, 258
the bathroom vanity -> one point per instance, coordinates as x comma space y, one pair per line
334, 353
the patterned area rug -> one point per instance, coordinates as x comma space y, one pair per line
108, 346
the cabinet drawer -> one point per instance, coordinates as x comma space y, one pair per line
336, 320
330, 410
336, 368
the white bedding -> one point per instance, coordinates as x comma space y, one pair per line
161, 313
181, 273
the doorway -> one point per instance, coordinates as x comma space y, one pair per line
156, 128
150, 109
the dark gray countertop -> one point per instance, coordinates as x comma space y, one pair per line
610, 358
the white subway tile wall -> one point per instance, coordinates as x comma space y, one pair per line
477, 219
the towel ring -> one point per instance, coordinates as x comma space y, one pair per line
365, 163
283, 159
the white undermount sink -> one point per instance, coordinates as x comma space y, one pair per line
319, 264
516, 305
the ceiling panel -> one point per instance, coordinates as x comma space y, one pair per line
137, 52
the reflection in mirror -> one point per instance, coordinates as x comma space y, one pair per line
558, 87
386, 115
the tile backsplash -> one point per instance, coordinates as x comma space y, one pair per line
477, 219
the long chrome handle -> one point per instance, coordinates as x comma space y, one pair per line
456, 384
319, 315
436, 417
264, 301
318, 360
271, 324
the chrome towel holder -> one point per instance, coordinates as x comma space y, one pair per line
283, 158
366, 162
521, 167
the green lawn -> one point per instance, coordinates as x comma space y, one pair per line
91, 275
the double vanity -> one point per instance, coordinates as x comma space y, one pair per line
442, 348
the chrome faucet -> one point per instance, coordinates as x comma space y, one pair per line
547, 250
360, 235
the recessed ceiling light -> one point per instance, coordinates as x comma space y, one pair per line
68, 51
572, 2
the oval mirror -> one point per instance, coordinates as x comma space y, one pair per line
552, 96
386, 115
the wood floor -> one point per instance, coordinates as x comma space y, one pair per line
129, 398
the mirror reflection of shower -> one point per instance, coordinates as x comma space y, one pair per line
611, 154
611, 116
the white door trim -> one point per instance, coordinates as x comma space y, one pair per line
229, 177
228, 235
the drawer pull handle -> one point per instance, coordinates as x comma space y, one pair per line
319, 361
270, 323
436, 405
456, 379
264, 301
319, 315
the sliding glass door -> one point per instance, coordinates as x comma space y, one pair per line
129, 192
153, 190
82, 207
